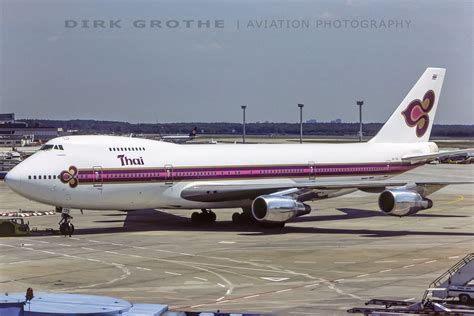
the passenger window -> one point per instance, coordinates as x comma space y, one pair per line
29, 177
49, 177
39, 177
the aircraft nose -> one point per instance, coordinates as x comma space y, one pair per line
13, 179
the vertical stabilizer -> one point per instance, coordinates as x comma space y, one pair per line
413, 119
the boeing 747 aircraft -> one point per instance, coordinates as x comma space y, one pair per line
269, 182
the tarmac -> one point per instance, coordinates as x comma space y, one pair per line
341, 255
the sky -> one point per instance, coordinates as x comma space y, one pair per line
52, 67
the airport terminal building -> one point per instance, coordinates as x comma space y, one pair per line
16, 133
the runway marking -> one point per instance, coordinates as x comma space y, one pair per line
90, 249
138, 247
202, 279
73, 238
226, 242
385, 261
251, 296
408, 266
112, 252
221, 285
163, 250
41, 241
115, 244
454, 257
96, 241
431, 261
285, 290
146, 269
339, 280
93, 260
274, 279
458, 199
64, 245
228, 292
48, 252
311, 285
136, 256
344, 262
172, 273
220, 298
260, 260
185, 254
362, 275
420, 259
383, 271
305, 262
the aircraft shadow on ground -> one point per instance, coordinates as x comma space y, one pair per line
156, 220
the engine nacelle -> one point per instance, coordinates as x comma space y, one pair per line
402, 202
277, 209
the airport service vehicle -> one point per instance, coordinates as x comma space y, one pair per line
269, 182
456, 282
15, 226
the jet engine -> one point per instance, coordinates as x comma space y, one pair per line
403, 202
277, 209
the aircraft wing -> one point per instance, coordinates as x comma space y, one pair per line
219, 192
442, 154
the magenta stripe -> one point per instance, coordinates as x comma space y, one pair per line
219, 173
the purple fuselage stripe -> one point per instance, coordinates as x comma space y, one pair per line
222, 173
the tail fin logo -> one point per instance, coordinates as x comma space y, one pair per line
416, 113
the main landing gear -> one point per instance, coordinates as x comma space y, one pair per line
205, 217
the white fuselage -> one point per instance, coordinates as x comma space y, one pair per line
107, 172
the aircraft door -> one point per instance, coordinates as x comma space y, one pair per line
169, 174
312, 170
98, 177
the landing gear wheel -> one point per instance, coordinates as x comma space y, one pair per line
207, 216
66, 229
464, 299
237, 218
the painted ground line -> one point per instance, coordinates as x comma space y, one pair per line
228, 292
136, 256
420, 259
250, 296
141, 268
226, 242
285, 290
64, 245
138, 247
96, 241
85, 248
431, 261
311, 285
93, 260
185, 254
260, 260
304, 262
383, 271
408, 266
202, 279
220, 298
454, 257
112, 252
73, 238
339, 280
385, 261
409, 299
221, 285
344, 262
362, 275
172, 273
48, 252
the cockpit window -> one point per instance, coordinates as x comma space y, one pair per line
47, 147
50, 146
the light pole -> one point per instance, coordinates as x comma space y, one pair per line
301, 122
243, 131
360, 103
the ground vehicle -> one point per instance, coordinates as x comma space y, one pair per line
464, 293
14, 226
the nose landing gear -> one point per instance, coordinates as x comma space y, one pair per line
205, 217
65, 225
